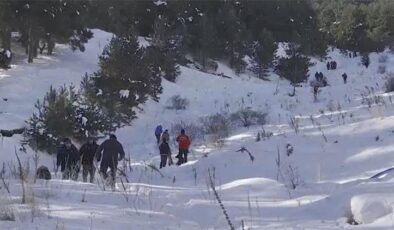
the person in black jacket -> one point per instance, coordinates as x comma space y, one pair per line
68, 158
110, 152
344, 77
165, 152
87, 152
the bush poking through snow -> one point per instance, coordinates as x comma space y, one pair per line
218, 126
176, 102
248, 117
293, 177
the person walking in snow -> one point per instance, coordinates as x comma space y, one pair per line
317, 76
328, 65
110, 152
321, 76
315, 92
165, 136
165, 152
158, 131
344, 76
183, 144
68, 159
87, 152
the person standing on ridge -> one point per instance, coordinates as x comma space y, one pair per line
183, 143
165, 152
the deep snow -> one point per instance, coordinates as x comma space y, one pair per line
341, 143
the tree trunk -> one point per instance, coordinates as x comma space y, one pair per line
30, 45
6, 38
35, 46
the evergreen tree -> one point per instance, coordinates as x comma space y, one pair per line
295, 66
53, 119
124, 81
263, 52
165, 50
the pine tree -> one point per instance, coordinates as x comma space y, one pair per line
53, 119
263, 52
295, 66
165, 50
124, 81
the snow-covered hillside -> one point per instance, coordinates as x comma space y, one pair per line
341, 142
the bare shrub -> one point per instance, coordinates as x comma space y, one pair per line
381, 69
369, 97
176, 102
293, 177
219, 200
247, 117
218, 125
294, 124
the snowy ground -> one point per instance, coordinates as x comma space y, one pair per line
341, 143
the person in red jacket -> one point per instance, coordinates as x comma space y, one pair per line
183, 143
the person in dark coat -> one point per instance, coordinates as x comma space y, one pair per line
317, 76
158, 132
87, 152
344, 76
321, 76
110, 152
165, 136
328, 65
68, 159
315, 92
165, 152
183, 143
334, 65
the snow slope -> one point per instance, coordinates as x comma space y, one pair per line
342, 142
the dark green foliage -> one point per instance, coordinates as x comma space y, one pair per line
165, 50
64, 112
363, 26
295, 66
124, 81
53, 119
44, 23
262, 53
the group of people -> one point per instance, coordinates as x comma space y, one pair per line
109, 153
69, 158
321, 78
163, 139
331, 65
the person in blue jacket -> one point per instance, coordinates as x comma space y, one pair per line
158, 132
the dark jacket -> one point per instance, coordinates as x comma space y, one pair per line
164, 149
67, 158
111, 151
88, 152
